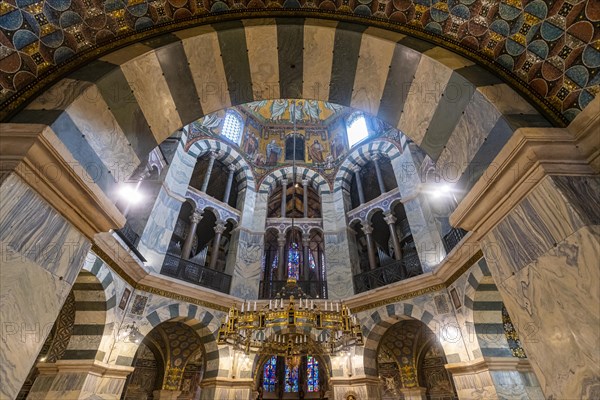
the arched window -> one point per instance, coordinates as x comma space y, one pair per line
294, 261
232, 127
291, 378
356, 128
312, 374
270, 374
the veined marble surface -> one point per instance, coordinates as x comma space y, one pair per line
41, 257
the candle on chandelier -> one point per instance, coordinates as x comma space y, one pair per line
255, 306
337, 307
243, 303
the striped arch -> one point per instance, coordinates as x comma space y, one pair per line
316, 180
227, 155
143, 93
483, 307
360, 156
95, 302
378, 322
205, 323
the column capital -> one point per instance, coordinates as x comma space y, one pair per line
196, 217
356, 168
389, 218
231, 168
284, 182
220, 226
281, 239
367, 228
214, 154
305, 239
305, 182
376, 157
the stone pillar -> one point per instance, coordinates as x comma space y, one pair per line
305, 197
79, 379
306, 250
283, 196
368, 231
495, 378
219, 229
195, 218
37, 272
231, 169
539, 225
211, 163
376, 159
415, 393
227, 388
390, 219
281, 264
361, 193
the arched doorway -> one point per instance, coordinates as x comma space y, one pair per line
410, 362
169, 361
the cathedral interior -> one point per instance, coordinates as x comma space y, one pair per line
297, 199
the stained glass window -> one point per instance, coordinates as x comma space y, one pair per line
312, 374
232, 127
294, 261
270, 374
274, 265
311, 260
291, 378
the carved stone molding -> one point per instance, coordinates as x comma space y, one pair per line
36, 155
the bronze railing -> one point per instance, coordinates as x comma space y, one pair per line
191, 272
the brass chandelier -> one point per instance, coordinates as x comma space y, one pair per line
292, 325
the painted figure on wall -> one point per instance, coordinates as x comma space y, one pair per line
273, 152
278, 109
316, 152
311, 110
250, 144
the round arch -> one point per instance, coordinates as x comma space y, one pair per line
157, 100
315, 179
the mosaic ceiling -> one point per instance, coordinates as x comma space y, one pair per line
552, 45
280, 111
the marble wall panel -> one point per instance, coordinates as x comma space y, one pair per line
91, 115
261, 40
472, 129
201, 46
375, 57
318, 58
248, 265
546, 300
148, 84
425, 93
41, 257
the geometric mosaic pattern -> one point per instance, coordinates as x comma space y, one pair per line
552, 46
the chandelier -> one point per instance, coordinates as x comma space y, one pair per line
291, 327
293, 324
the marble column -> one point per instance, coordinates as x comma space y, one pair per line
211, 163
281, 264
219, 229
390, 219
306, 250
305, 197
283, 196
361, 193
227, 388
376, 159
539, 225
361, 387
368, 231
195, 218
231, 169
